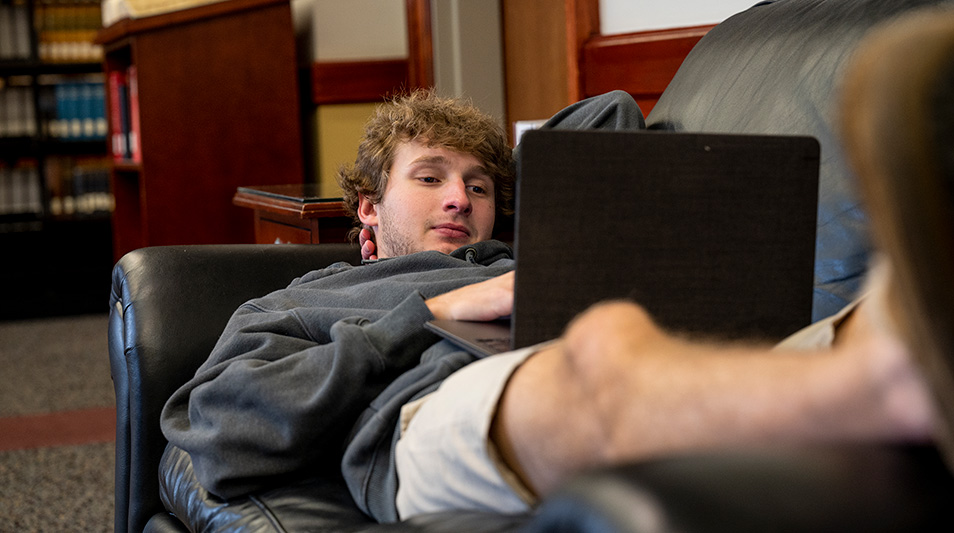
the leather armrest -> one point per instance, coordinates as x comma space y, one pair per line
866, 488
850, 487
168, 306
321, 504
313, 505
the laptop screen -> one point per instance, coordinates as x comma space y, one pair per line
713, 234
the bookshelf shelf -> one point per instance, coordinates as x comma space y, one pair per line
50, 72
37, 68
204, 100
54, 208
127, 167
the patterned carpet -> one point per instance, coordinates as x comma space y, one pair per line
56, 425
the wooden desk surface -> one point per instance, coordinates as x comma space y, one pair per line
298, 199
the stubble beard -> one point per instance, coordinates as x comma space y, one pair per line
396, 242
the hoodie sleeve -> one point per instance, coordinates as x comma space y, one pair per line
273, 403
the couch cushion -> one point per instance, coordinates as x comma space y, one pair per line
774, 68
322, 504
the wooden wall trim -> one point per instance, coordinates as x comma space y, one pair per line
641, 63
126, 26
582, 25
420, 44
535, 59
346, 82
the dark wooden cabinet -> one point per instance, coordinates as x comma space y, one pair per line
218, 108
295, 214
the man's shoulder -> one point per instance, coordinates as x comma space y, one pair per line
330, 270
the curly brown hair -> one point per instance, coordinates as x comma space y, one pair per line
437, 121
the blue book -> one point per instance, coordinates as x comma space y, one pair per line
124, 120
85, 110
73, 118
58, 126
98, 98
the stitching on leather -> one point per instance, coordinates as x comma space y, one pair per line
276, 523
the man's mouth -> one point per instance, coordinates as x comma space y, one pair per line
453, 231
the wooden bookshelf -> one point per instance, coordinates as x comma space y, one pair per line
218, 108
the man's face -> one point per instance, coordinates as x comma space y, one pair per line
436, 199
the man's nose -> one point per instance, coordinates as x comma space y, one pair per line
456, 197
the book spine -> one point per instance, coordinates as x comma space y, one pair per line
18, 98
100, 128
21, 23
86, 110
33, 200
29, 112
124, 124
42, 22
6, 192
118, 142
73, 118
4, 127
57, 131
135, 137
6, 32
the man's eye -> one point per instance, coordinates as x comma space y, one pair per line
428, 179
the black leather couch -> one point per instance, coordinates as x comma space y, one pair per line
771, 69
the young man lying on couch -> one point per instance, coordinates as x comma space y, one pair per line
337, 371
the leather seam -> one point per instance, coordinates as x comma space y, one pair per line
269, 515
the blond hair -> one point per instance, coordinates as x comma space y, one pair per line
436, 121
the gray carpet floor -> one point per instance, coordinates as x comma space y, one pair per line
50, 365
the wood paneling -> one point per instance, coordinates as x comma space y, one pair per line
218, 108
535, 58
555, 55
582, 25
420, 44
358, 81
641, 64
347, 82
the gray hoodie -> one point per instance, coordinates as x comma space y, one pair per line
311, 378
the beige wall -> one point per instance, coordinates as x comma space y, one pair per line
624, 16
345, 30
468, 52
339, 130
468, 61
337, 30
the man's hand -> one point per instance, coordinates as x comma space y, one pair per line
487, 300
366, 240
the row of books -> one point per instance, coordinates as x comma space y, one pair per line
124, 115
75, 110
114, 10
75, 187
14, 32
64, 29
20, 188
17, 113
69, 110
78, 185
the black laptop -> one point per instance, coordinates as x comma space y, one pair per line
714, 234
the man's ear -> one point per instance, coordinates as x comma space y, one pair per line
367, 211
